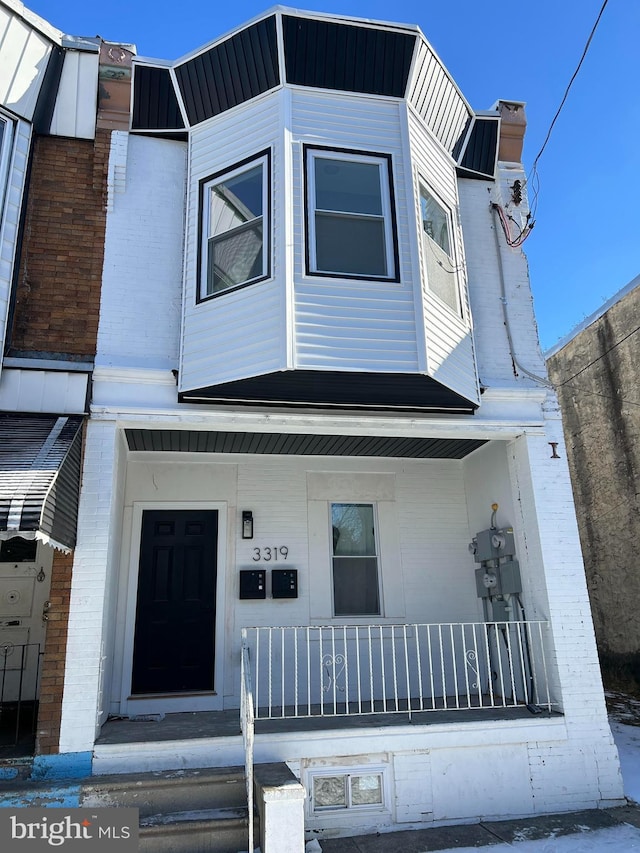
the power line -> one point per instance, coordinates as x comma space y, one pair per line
623, 400
602, 355
534, 167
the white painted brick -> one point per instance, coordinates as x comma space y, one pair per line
438, 505
142, 278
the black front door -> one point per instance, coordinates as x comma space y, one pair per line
174, 647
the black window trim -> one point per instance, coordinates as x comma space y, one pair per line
353, 152
266, 225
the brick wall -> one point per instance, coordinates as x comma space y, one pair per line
58, 293
52, 680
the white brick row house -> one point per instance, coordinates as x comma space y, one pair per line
317, 381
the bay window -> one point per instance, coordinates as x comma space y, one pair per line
350, 218
234, 249
441, 270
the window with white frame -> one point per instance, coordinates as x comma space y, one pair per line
356, 586
442, 273
234, 249
350, 216
338, 790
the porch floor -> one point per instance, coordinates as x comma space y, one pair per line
212, 724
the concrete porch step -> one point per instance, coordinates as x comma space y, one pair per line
158, 792
181, 811
207, 831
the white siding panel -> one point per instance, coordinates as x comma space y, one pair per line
11, 218
241, 333
450, 352
23, 61
437, 99
43, 391
449, 338
342, 324
76, 104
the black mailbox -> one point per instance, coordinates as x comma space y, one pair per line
253, 583
284, 583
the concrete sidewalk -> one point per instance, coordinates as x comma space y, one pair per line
485, 834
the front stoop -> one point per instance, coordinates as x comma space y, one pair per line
181, 811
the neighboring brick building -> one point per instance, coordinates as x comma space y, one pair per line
595, 370
57, 299
54, 148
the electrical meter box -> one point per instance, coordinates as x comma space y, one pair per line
503, 579
253, 583
510, 577
284, 583
493, 544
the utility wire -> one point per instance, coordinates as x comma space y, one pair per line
534, 168
623, 400
602, 355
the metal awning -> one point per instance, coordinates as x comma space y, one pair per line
40, 478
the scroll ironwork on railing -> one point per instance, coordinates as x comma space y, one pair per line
331, 670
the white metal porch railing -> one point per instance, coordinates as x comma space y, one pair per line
367, 669
247, 725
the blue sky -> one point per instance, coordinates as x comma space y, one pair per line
584, 247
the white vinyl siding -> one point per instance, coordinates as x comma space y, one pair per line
75, 111
449, 337
343, 324
23, 63
13, 166
243, 332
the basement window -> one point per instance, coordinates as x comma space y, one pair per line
234, 245
340, 791
350, 219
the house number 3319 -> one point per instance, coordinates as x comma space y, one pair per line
271, 552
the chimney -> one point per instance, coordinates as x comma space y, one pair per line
512, 127
114, 85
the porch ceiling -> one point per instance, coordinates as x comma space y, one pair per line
287, 444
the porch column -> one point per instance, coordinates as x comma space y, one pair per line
556, 590
90, 600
